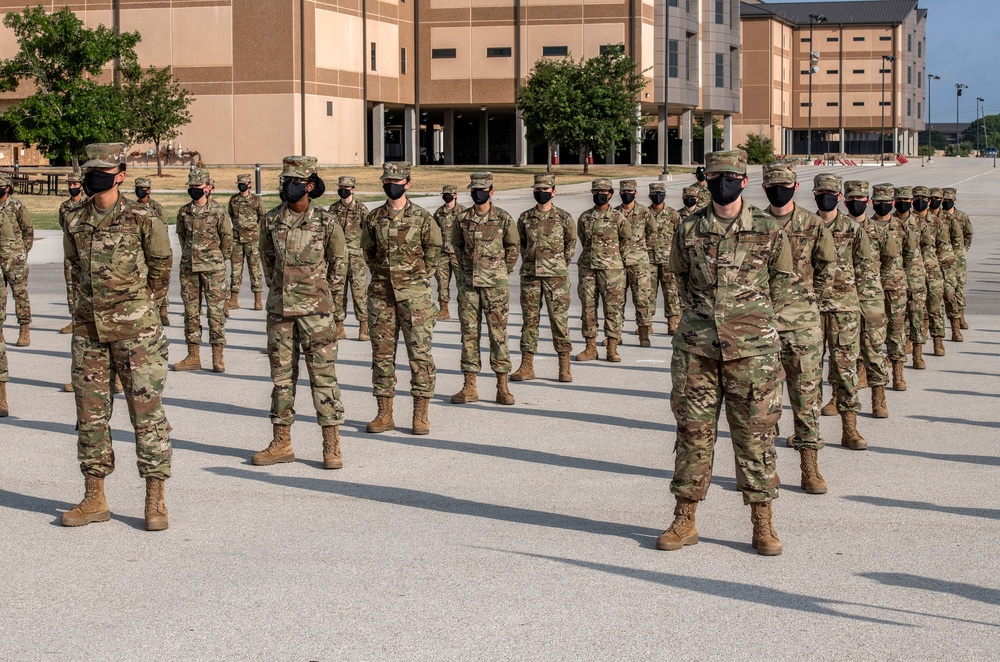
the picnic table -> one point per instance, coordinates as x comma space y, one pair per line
37, 180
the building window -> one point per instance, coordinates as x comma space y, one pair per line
720, 70
329, 109
859, 71
918, 110
443, 54
612, 47
833, 71
691, 6
555, 51
672, 59
504, 51
885, 38
690, 55
805, 104
373, 56
920, 80
909, 75
672, 3
805, 72
720, 8
832, 104
806, 40
885, 71
885, 103
909, 107
859, 39
909, 43
920, 48
734, 68
858, 104
402, 61
833, 39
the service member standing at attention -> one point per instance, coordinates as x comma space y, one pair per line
841, 309
728, 260
206, 237
74, 183
948, 261
445, 216
247, 211
143, 195
548, 242
16, 238
916, 275
689, 200
485, 242
961, 239
120, 258
605, 236
304, 256
401, 242
665, 221
934, 319
637, 278
350, 215
704, 196
796, 314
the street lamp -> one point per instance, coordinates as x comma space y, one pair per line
666, 88
881, 136
930, 148
980, 100
813, 68
958, 95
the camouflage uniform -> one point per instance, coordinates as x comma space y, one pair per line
692, 195
445, 217
247, 214
895, 280
548, 243
64, 212
206, 237
637, 278
606, 237
120, 263
351, 219
16, 238
401, 249
946, 259
665, 222
932, 266
156, 209
961, 239
704, 196
726, 347
916, 275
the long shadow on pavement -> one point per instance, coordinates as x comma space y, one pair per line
990, 596
986, 513
983, 460
33, 504
957, 421
964, 393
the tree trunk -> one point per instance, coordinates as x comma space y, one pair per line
548, 163
585, 157
76, 164
159, 165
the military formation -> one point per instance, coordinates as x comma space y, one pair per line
757, 300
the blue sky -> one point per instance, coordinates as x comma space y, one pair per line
963, 37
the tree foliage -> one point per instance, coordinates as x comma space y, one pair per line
964, 148
157, 107
759, 149
550, 103
938, 139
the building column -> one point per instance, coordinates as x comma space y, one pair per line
687, 133
895, 140
709, 139
727, 132
843, 141
484, 137
520, 140
637, 148
449, 137
662, 133
378, 134
411, 147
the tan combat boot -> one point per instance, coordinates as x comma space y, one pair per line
383, 419
164, 317
898, 381
192, 361
918, 357
421, 419
4, 407
961, 321
830, 408
682, 531
225, 308
765, 538
23, 336
938, 346
956, 330
218, 362
526, 372
341, 335
93, 508
862, 375
590, 352
850, 437
118, 384
332, 459
363, 330
672, 322
443, 313
156, 507
909, 346
812, 480
468, 393
279, 450
234, 301
613, 355
258, 304
68, 387
67, 329
564, 372
504, 396
879, 407
644, 336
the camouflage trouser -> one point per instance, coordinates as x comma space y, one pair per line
317, 336
475, 303
415, 318
357, 281
663, 278
935, 301
874, 325
895, 310
751, 390
916, 309
555, 290
609, 284
961, 264
141, 363
951, 307
842, 333
802, 359
212, 286
445, 268
4, 376
639, 283
70, 293
249, 253
14, 270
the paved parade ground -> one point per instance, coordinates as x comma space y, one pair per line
521, 532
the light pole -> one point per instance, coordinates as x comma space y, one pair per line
958, 95
979, 100
930, 148
813, 68
666, 87
881, 136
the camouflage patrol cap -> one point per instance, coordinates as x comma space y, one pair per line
395, 171
602, 184
691, 192
949, 193
104, 155
346, 182
779, 172
242, 179
883, 193
449, 188
481, 180
857, 188
826, 181
299, 167
921, 191
903, 192
544, 181
211, 182
727, 161
143, 182
936, 192
74, 179
198, 177
655, 187
627, 185
4, 179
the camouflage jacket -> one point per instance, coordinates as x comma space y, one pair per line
854, 257
727, 274
206, 236
485, 247
248, 217
16, 232
894, 275
659, 241
445, 218
704, 198
640, 220
156, 209
958, 222
965, 225
606, 237
916, 273
351, 219
942, 230
928, 244
548, 242
401, 249
66, 207
885, 251
120, 267
304, 258
814, 257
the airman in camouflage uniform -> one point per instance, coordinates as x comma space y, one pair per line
120, 259
246, 209
606, 237
665, 221
948, 261
16, 238
728, 259
547, 236
704, 196
961, 240
350, 215
689, 200
401, 243
143, 195
206, 237
445, 216
916, 274
934, 319
796, 314
637, 278
76, 197
4, 375
304, 255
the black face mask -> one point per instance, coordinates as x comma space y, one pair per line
196, 193
294, 191
141, 193
935, 204
393, 190
948, 204
75, 191
657, 197
98, 181
902, 206
448, 197
6, 190
542, 197
480, 196
920, 204
627, 197
779, 196
883, 209
700, 177
689, 201
243, 187
826, 201
344, 193
601, 198
725, 191
856, 207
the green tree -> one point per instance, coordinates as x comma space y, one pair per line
938, 139
964, 149
759, 149
992, 123
157, 106
550, 103
63, 62
698, 130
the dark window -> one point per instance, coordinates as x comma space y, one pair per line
920, 49
554, 51
720, 70
918, 110
885, 103
504, 51
806, 40
719, 10
920, 80
329, 109
859, 39
885, 38
833, 39
805, 72
373, 56
443, 54
672, 3
833, 71
832, 104
402, 61
909, 107
858, 103
909, 43
885, 71
909, 75
805, 104
612, 47
859, 71
673, 57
